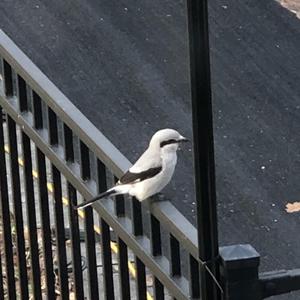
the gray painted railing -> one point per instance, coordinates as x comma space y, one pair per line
27, 96
59, 140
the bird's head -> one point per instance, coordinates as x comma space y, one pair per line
167, 140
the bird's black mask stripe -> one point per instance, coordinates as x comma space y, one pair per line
168, 142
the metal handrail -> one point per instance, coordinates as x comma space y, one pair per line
91, 136
164, 211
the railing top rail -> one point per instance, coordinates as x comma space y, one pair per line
164, 211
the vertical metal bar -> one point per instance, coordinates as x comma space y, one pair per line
140, 279
85, 162
158, 289
123, 270
155, 237
101, 176
31, 216
203, 142
18, 214
194, 278
119, 204
58, 212
7, 238
37, 111
140, 267
89, 228
46, 230
22, 94
105, 240
75, 241
175, 266
69, 145
73, 217
53, 130
1, 281
137, 220
107, 261
123, 252
7, 79
91, 254
156, 249
60, 235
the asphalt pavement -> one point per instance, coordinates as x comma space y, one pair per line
124, 64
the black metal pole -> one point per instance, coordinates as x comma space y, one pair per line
203, 143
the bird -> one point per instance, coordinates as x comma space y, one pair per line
151, 172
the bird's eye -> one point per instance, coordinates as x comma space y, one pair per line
168, 142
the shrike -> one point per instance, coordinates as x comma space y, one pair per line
151, 172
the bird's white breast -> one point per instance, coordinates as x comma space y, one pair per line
151, 186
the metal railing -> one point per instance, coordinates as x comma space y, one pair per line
45, 130
52, 156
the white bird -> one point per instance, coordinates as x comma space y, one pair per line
151, 172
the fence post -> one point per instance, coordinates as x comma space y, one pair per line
239, 272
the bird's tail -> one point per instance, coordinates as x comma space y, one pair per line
109, 192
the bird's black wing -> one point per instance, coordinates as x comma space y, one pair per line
130, 177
